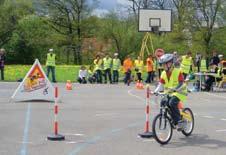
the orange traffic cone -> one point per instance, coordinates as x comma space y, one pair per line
141, 86
137, 84
68, 85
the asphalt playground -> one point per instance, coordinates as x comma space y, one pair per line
105, 120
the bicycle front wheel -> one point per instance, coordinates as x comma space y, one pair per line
162, 129
188, 123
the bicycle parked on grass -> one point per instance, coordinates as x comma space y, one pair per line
163, 124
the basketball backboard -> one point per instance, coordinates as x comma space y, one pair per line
155, 20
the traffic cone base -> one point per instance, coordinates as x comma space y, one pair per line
57, 137
141, 86
146, 135
137, 85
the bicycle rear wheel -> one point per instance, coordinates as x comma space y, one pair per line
188, 124
162, 129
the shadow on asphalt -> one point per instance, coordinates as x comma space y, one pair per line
198, 140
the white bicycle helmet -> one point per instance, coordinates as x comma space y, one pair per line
166, 58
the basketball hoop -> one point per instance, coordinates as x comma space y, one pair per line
155, 20
155, 29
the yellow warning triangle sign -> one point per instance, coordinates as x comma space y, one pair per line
35, 86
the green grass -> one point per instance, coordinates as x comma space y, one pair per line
63, 72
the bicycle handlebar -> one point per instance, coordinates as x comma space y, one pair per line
159, 94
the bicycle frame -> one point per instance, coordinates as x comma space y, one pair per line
166, 112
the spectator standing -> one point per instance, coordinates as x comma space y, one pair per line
198, 61
2, 62
107, 62
139, 64
51, 64
214, 60
150, 69
116, 64
203, 64
186, 64
127, 68
98, 65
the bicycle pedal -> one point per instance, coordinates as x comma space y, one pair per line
180, 129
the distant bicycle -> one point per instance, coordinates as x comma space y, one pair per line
163, 124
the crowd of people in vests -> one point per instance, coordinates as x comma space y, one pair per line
107, 69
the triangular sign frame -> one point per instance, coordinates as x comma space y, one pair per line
35, 86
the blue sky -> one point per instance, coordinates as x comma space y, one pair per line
107, 5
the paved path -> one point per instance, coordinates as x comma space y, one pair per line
105, 120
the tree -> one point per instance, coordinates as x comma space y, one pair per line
206, 19
122, 33
10, 13
66, 17
30, 40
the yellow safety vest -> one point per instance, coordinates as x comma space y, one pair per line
219, 72
154, 65
97, 65
51, 60
107, 63
186, 64
139, 65
203, 67
116, 64
173, 82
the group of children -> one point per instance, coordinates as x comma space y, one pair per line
107, 68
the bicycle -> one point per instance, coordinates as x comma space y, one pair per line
163, 124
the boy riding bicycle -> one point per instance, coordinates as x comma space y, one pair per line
172, 80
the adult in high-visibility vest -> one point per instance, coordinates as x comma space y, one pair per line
51, 64
107, 63
116, 64
203, 65
172, 81
127, 68
139, 64
98, 65
186, 64
150, 69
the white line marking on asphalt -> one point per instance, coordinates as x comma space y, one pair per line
223, 130
223, 119
74, 134
72, 142
138, 97
216, 95
208, 116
